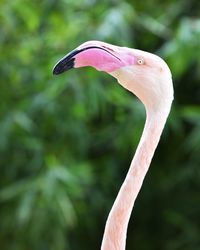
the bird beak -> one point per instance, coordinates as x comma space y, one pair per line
66, 63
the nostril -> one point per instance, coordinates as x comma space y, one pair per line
105, 47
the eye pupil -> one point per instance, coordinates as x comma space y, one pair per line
140, 61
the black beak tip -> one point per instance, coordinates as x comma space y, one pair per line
63, 65
56, 70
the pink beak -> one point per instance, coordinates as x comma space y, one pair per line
68, 61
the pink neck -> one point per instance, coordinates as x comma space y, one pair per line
116, 226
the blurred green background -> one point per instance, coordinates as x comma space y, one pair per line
66, 142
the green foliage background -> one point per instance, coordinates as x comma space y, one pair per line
66, 142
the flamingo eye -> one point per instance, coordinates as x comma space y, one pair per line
140, 61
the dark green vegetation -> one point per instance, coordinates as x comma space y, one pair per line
66, 142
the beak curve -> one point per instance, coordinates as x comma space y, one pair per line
68, 61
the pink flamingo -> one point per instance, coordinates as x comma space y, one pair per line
149, 78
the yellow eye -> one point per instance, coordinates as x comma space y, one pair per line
140, 61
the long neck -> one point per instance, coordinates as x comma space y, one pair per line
116, 226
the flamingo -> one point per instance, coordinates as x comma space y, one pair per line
149, 78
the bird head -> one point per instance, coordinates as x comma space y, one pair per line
144, 74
